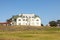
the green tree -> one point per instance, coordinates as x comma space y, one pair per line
53, 23
9, 20
42, 25
58, 22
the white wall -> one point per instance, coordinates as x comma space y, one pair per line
31, 21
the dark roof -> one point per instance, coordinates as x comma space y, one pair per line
36, 16
16, 16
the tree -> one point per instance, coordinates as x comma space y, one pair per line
58, 22
9, 20
42, 25
53, 23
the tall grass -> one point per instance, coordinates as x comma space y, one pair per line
29, 33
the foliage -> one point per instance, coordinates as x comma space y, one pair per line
58, 22
42, 25
53, 23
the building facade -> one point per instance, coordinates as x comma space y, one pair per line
26, 19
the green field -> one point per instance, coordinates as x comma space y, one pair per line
34, 33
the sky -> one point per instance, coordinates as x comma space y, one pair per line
47, 10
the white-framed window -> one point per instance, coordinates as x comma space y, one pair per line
19, 19
32, 16
37, 20
29, 16
26, 19
23, 16
23, 19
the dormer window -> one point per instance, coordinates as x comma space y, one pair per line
37, 20
19, 19
23, 16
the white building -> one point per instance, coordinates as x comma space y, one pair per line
26, 19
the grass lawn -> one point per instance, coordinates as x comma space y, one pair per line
45, 34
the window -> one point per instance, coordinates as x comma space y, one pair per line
23, 19
23, 16
26, 19
15, 20
37, 20
33, 17
19, 19
29, 17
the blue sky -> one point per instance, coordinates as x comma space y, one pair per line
47, 10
